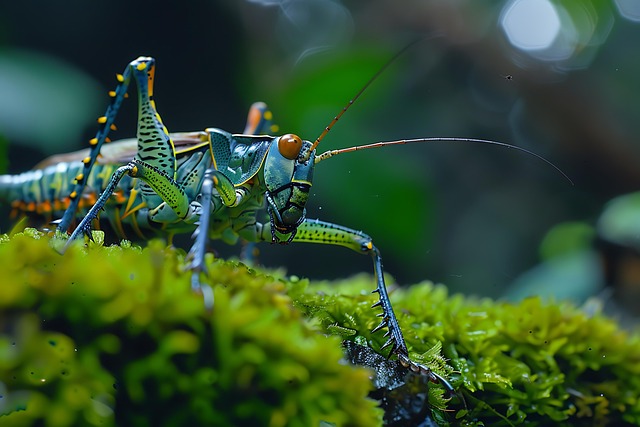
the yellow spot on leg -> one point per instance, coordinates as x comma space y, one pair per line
102, 120
93, 141
120, 78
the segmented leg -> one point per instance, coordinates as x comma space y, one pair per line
155, 147
230, 196
106, 124
201, 237
85, 225
165, 186
316, 231
258, 122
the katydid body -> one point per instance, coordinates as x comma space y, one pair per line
212, 182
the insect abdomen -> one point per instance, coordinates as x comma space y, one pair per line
47, 191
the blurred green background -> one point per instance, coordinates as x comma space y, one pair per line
559, 78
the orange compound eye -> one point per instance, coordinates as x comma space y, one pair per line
289, 146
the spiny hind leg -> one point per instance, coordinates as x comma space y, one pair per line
105, 125
155, 146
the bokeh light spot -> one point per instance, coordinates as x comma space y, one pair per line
629, 9
530, 24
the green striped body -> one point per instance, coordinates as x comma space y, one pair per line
43, 193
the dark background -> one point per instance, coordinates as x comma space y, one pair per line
472, 217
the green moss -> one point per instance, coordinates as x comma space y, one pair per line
114, 336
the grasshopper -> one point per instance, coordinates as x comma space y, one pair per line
210, 183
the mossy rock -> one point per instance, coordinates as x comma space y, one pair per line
114, 336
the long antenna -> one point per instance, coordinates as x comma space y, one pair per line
360, 92
331, 153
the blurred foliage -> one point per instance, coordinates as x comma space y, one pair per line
45, 102
619, 221
592, 264
4, 148
113, 336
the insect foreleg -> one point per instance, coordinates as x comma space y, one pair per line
230, 195
316, 231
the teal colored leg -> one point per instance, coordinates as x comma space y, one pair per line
201, 237
230, 196
316, 231
176, 203
106, 124
85, 225
155, 147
